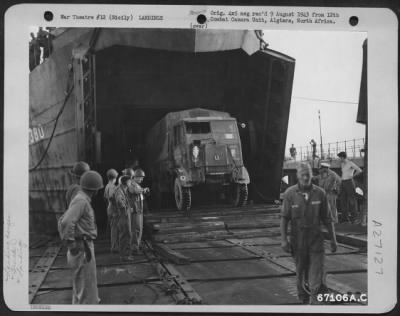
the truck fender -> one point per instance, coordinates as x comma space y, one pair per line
241, 175
184, 177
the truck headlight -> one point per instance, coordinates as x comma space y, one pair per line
234, 151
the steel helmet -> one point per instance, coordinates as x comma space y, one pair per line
128, 172
91, 180
124, 179
139, 173
112, 174
79, 168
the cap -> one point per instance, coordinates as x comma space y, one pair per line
359, 191
325, 165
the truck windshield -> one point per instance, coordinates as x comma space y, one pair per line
198, 127
226, 128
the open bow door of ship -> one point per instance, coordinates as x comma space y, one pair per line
88, 139
266, 117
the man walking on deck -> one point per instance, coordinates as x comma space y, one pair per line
78, 229
305, 206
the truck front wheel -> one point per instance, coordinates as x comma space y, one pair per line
239, 195
183, 197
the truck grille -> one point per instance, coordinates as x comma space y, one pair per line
216, 159
217, 170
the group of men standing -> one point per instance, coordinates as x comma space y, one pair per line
342, 188
125, 211
77, 226
308, 207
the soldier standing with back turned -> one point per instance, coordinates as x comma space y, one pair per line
78, 229
305, 206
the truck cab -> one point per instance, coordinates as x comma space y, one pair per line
204, 151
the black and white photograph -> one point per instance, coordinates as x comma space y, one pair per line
219, 166
172, 166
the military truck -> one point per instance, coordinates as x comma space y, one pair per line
197, 147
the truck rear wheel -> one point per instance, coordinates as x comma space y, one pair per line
183, 197
239, 195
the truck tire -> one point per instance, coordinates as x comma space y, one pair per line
183, 197
240, 193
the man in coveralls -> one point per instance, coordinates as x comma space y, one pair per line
77, 171
78, 229
137, 192
120, 200
330, 182
306, 207
112, 214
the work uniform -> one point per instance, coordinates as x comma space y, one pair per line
347, 189
331, 184
72, 190
136, 192
121, 203
112, 215
78, 227
306, 210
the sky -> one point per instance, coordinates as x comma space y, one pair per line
328, 67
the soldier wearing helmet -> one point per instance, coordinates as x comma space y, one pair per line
126, 172
136, 192
77, 171
129, 173
78, 229
112, 214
